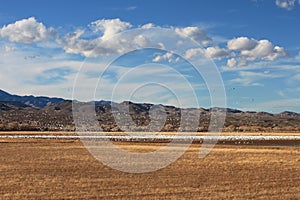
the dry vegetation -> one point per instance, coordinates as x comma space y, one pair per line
58, 169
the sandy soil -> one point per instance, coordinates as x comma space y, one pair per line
57, 169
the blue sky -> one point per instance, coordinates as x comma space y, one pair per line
253, 45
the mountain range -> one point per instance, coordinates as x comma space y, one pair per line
29, 101
30, 113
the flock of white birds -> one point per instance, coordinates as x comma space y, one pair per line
157, 137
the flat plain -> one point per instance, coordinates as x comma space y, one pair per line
64, 169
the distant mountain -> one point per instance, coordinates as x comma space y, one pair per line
11, 105
29, 113
36, 102
290, 114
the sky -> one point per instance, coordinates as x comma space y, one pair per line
238, 54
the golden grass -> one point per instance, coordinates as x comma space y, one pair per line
64, 169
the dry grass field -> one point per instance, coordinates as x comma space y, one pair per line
64, 169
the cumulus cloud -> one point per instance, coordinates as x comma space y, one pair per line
264, 50
109, 27
210, 52
239, 62
194, 33
215, 52
231, 62
240, 51
109, 42
241, 43
285, 4
190, 53
26, 31
166, 57
105, 45
251, 49
72, 44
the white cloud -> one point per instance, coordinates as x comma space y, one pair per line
110, 27
210, 52
194, 33
264, 50
190, 53
285, 4
166, 57
215, 52
111, 41
137, 38
141, 40
74, 44
251, 49
239, 50
231, 62
148, 26
242, 49
26, 31
241, 43
239, 62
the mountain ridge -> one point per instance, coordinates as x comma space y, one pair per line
29, 113
43, 101
30, 100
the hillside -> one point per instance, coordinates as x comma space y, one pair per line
36, 102
29, 113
